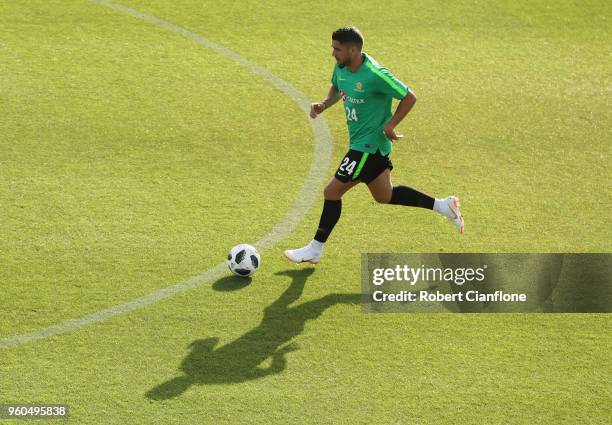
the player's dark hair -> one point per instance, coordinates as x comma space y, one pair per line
348, 35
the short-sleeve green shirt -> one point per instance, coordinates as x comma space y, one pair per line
368, 94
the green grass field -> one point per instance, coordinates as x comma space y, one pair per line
132, 158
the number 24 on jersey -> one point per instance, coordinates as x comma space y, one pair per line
351, 114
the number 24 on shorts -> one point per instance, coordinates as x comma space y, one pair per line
349, 167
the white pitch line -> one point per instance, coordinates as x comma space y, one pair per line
305, 198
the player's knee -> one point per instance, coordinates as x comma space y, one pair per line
331, 194
383, 198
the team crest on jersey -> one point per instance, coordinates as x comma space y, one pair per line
358, 85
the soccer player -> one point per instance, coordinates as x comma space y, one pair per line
367, 90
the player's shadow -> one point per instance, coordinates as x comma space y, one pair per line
241, 360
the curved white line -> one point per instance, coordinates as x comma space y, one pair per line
303, 201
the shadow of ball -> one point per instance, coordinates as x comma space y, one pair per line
231, 283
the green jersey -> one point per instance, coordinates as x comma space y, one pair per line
368, 94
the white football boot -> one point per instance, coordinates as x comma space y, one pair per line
450, 209
311, 253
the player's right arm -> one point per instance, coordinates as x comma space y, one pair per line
333, 96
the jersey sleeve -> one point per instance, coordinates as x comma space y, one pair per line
334, 79
389, 85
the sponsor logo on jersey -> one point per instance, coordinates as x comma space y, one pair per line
354, 100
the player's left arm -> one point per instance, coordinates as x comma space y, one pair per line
402, 110
391, 86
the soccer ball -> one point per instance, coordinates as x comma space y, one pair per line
243, 260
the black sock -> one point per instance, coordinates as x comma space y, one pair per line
403, 195
329, 218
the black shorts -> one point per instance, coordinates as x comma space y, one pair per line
362, 166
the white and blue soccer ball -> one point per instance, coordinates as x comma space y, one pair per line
243, 260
